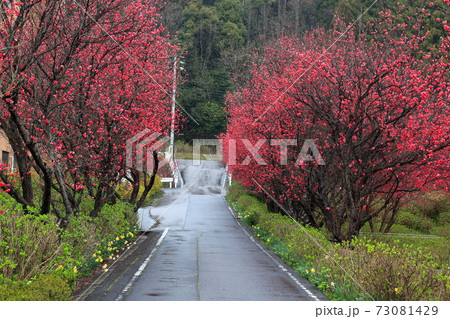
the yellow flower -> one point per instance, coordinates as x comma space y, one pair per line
75, 270
397, 291
60, 267
105, 266
99, 252
313, 270
94, 255
122, 237
117, 238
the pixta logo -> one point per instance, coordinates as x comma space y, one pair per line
140, 150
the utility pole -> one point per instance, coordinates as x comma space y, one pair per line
174, 93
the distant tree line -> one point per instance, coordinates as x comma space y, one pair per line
219, 35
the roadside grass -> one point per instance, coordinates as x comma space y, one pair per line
40, 261
185, 151
188, 156
382, 267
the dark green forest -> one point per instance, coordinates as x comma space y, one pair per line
217, 38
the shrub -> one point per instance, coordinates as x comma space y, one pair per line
287, 230
253, 212
81, 237
402, 229
114, 220
413, 221
108, 251
85, 235
444, 219
432, 204
28, 242
38, 260
442, 231
245, 201
45, 287
395, 271
235, 190
257, 207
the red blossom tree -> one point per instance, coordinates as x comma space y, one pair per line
79, 79
376, 107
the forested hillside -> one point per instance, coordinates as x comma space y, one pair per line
218, 36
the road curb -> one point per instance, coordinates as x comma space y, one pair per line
100, 278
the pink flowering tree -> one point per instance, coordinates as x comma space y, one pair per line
79, 79
376, 108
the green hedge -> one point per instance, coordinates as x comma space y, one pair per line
39, 261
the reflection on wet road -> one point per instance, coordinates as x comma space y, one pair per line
206, 254
209, 178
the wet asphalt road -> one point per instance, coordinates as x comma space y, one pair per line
196, 249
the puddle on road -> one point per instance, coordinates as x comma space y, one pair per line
160, 294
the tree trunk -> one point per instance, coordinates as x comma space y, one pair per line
150, 184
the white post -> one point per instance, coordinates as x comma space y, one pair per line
13, 164
174, 93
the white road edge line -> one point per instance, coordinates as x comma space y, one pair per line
142, 267
287, 272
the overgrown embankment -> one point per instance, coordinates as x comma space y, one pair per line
41, 261
382, 268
